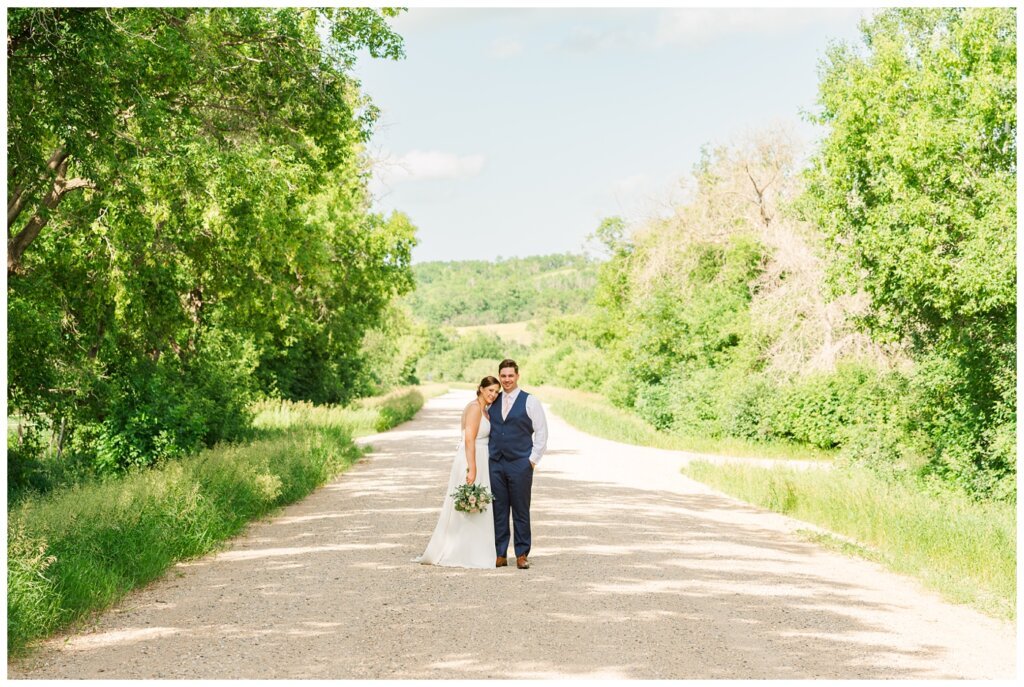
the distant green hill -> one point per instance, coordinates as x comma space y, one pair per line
473, 292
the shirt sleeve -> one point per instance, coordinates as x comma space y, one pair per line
540, 427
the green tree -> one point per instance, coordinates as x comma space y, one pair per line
168, 172
915, 187
347, 268
97, 96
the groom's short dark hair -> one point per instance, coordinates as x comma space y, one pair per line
508, 363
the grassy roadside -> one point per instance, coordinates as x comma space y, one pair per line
363, 417
80, 549
963, 549
594, 414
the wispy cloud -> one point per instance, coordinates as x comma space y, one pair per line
420, 165
504, 48
586, 39
701, 25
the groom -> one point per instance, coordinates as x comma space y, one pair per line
519, 433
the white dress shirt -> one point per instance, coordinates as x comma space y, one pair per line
535, 411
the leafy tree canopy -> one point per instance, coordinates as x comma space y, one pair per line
915, 187
187, 218
916, 181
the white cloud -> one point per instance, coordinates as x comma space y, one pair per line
419, 165
503, 48
701, 25
586, 39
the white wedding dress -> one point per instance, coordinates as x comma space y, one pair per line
464, 540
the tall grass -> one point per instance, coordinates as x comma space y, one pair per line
966, 550
363, 417
81, 548
595, 415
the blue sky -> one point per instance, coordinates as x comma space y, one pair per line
513, 132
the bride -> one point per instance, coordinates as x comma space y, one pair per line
466, 540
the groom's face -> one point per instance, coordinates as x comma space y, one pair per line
508, 378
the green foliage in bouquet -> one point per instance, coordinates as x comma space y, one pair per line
472, 498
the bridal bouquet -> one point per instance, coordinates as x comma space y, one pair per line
472, 498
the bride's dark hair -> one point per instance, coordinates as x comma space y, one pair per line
487, 381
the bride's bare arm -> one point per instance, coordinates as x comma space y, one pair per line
473, 415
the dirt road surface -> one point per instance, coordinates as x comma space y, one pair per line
638, 573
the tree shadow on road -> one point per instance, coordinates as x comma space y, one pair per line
626, 583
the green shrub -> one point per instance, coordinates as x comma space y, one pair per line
652, 404
619, 386
26, 469
398, 408
585, 367
819, 408
744, 411
968, 417
695, 402
153, 411
543, 363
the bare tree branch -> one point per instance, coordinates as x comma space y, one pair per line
760, 191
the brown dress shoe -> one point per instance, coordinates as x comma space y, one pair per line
501, 562
522, 563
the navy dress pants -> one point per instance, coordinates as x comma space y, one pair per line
511, 484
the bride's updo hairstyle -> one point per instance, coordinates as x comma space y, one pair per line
486, 382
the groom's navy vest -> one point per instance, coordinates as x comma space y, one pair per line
511, 438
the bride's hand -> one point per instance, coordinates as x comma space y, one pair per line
470, 476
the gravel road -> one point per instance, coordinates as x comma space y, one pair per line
638, 573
